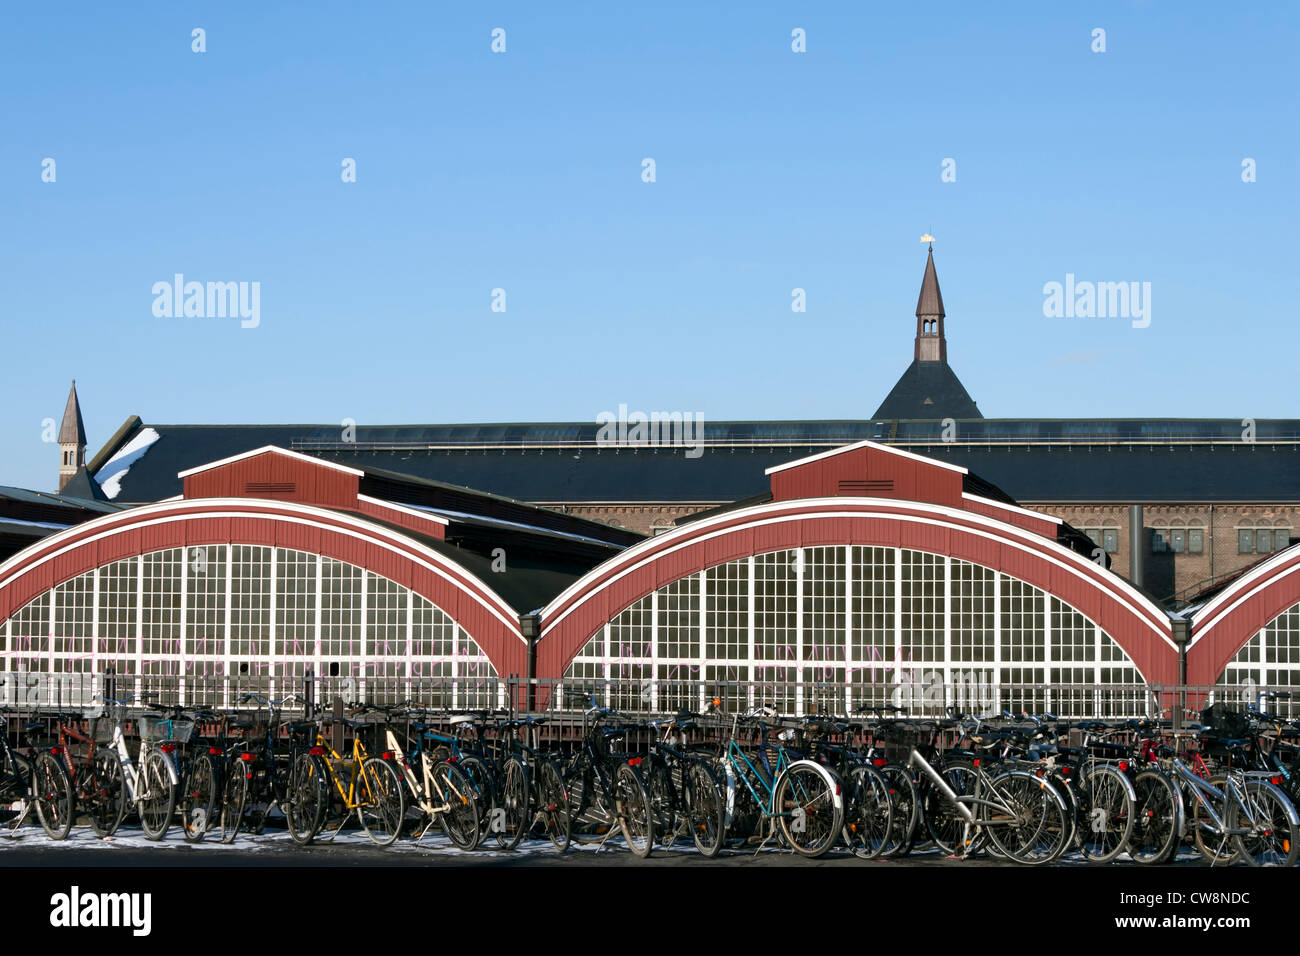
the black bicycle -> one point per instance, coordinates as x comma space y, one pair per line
606, 791
36, 779
262, 774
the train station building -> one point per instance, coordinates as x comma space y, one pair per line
927, 554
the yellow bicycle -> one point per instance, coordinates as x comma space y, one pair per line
369, 786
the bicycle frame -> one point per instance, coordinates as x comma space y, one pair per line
1207, 794
351, 797
131, 771
425, 784
962, 802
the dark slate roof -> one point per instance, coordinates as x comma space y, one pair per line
27, 516
928, 390
1032, 460
72, 430
82, 485
532, 577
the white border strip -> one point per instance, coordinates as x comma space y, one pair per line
865, 443
277, 450
195, 509
769, 514
436, 519
1015, 509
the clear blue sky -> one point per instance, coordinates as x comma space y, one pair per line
522, 171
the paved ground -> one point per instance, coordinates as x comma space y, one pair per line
29, 846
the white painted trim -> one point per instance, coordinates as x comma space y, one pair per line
359, 528
865, 443
1015, 509
413, 512
277, 450
765, 514
1241, 592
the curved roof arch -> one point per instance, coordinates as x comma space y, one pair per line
1233, 616
1141, 627
196, 522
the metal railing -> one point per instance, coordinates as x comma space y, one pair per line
85, 692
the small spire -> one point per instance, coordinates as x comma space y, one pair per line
930, 302
72, 431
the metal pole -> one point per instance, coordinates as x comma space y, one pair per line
1136, 571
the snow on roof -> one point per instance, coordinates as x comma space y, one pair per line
111, 474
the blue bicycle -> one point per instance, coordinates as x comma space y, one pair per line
797, 798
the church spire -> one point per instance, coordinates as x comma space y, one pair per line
72, 439
931, 346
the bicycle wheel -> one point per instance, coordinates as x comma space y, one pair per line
1027, 822
105, 794
384, 804
515, 804
663, 802
706, 809
55, 806
156, 796
591, 812
233, 797
1157, 818
553, 805
1217, 846
808, 808
304, 809
635, 815
1106, 806
460, 818
905, 810
199, 804
943, 821
1273, 837
868, 817
484, 794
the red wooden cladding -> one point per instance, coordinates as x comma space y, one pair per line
887, 474
1225, 631
403, 519
273, 475
1043, 526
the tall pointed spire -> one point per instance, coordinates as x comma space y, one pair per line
73, 429
72, 439
929, 389
931, 346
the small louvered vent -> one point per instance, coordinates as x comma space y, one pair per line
865, 486
270, 488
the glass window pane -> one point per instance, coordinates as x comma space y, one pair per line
1281, 538
1178, 540
1245, 541
1094, 535
1158, 542
1195, 540
1263, 541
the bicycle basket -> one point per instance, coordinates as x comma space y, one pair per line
900, 744
156, 730
102, 726
1225, 722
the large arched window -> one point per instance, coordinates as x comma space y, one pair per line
198, 624
832, 628
1270, 659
